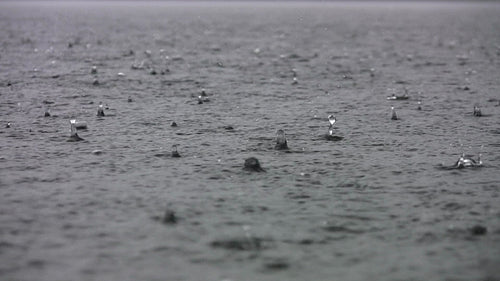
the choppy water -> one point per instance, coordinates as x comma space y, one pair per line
373, 206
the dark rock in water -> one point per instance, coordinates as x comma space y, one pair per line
333, 138
96, 82
152, 72
229, 128
252, 164
478, 230
46, 114
129, 99
169, 217
173, 124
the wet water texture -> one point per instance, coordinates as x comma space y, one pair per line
160, 183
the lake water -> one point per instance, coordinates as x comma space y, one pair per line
376, 205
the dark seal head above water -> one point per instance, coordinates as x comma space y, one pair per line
281, 143
74, 136
252, 164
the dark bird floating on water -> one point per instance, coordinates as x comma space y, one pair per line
252, 164
74, 135
281, 142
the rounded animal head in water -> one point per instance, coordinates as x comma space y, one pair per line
252, 164
281, 142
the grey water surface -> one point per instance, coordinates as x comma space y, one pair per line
375, 205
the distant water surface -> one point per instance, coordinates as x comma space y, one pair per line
376, 205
